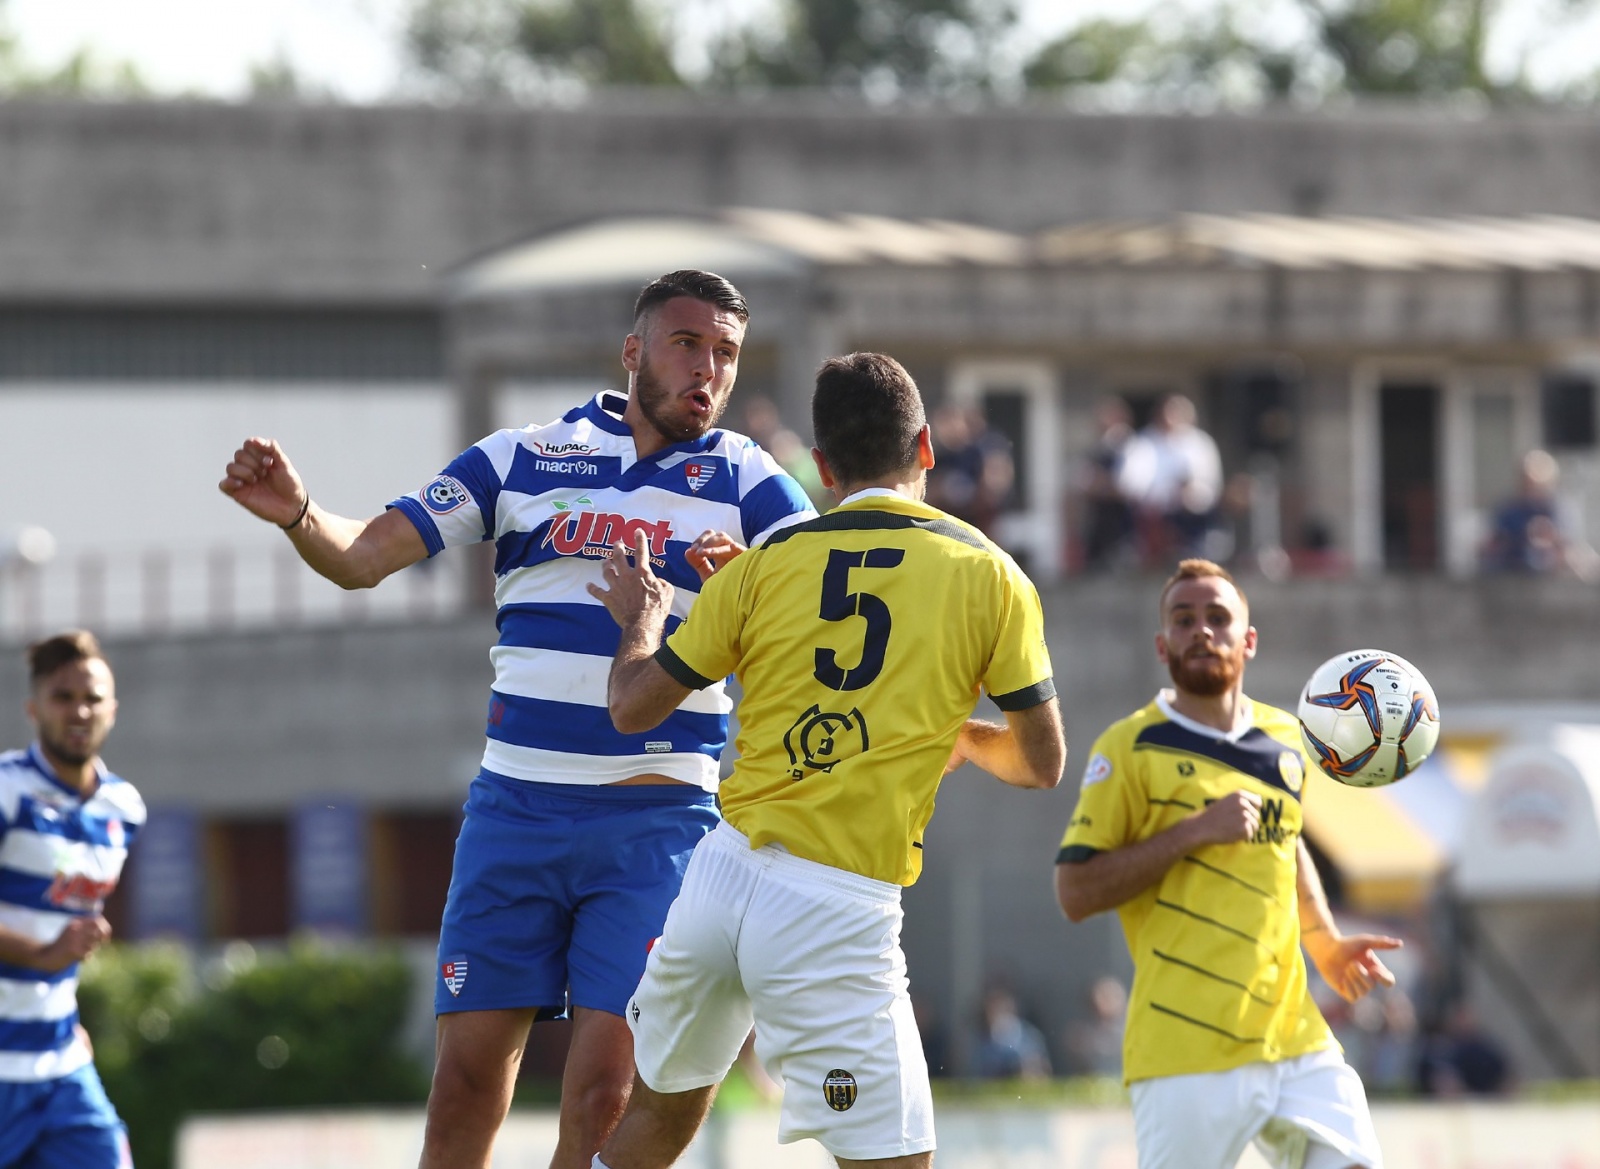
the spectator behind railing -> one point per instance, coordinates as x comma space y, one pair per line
1172, 476
1535, 530
973, 470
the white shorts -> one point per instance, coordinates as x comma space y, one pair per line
812, 954
1304, 1113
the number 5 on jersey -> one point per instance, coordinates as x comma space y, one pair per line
839, 603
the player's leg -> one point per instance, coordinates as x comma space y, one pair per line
689, 1015
502, 960
913, 1161
636, 842
820, 955
1201, 1121
657, 1128
475, 1069
1321, 1119
594, 1085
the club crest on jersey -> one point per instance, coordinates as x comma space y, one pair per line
839, 1090
445, 495
699, 474
454, 973
1292, 770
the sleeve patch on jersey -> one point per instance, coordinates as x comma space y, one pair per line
1099, 769
445, 495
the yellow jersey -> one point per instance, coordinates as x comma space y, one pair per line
861, 639
1219, 979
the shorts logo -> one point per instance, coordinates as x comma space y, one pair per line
1099, 769
1186, 769
814, 741
633, 1009
454, 973
839, 1090
445, 495
699, 474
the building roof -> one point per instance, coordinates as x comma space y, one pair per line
745, 242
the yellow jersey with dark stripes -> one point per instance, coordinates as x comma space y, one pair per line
861, 639
1219, 978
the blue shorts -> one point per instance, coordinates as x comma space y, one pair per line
65, 1123
559, 890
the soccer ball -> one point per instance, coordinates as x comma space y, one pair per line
1368, 718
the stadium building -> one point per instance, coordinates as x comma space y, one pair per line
1376, 312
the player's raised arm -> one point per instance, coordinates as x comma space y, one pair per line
353, 554
1029, 750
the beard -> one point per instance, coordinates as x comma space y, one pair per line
656, 401
58, 749
1207, 677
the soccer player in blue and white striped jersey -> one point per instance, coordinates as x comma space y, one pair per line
576, 836
65, 827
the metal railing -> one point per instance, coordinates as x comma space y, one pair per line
159, 591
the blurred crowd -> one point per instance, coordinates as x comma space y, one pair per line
1400, 1051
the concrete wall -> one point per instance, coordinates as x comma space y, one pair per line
180, 201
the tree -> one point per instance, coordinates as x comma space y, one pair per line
84, 74
1384, 48
482, 48
878, 47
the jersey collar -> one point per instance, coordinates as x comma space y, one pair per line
1164, 702
872, 493
42, 766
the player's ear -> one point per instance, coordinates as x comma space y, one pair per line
1161, 648
823, 470
1250, 642
632, 346
925, 447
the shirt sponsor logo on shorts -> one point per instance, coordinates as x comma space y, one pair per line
445, 495
839, 1090
1099, 769
454, 972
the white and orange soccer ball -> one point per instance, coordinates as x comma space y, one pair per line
1368, 718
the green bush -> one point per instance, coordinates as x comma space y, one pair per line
308, 1027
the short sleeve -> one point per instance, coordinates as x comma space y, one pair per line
458, 505
705, 647
1112, 803
770, 497
1019, 675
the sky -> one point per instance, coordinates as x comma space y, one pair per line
350, 49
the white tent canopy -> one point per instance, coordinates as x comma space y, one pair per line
1534, 829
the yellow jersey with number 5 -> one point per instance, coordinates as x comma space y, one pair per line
861, 640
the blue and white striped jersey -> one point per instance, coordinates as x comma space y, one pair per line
60, 857
553, 498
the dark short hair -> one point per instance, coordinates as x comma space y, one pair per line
1195, 569
866, 415
47, 656
706, 286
